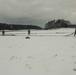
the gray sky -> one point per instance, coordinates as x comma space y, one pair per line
36, 12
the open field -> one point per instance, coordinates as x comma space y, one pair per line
47, 52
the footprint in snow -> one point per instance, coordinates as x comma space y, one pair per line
28, 65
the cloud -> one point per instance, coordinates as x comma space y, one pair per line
36, 11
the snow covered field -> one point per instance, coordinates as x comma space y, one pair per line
48, 52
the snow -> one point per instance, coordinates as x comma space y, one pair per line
47, 52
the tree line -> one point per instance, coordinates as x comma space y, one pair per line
60, 23
4, 26
53, 24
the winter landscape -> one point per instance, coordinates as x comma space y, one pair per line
37, 37
47, 52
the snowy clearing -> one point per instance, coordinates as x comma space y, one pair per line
47, 52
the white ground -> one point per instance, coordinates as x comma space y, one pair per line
49, 52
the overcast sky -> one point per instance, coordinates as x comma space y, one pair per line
36, 12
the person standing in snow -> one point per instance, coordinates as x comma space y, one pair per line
28, 35
28, 32
3, 32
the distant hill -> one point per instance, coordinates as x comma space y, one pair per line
60, 23
17, 27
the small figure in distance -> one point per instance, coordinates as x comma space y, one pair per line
75, 32
28, 32
3, 32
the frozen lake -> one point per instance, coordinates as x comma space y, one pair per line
47, 52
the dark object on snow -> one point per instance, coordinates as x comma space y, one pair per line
28, 32
75, 32
27, 37
3, 32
